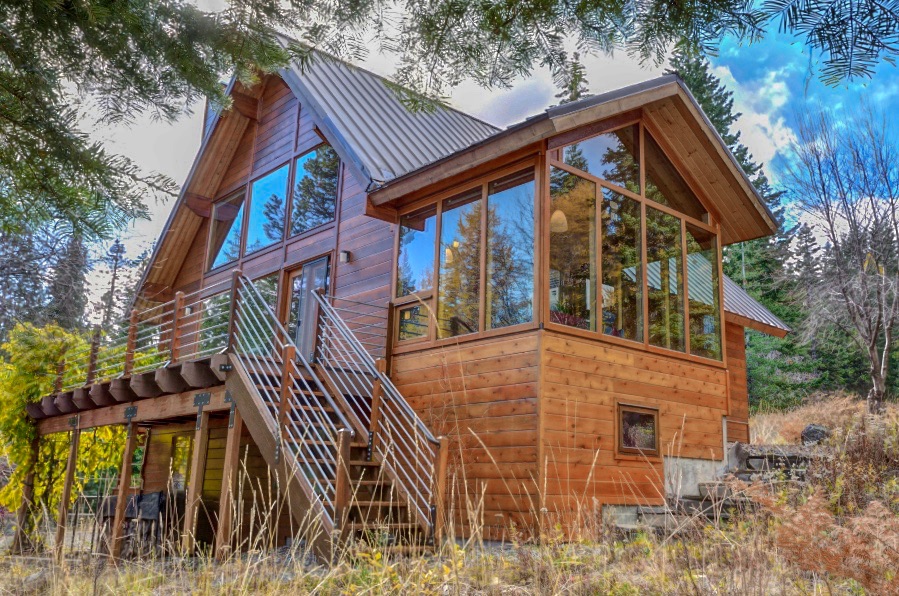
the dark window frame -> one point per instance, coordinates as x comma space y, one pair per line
620, 448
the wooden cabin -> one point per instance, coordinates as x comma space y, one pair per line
422, 323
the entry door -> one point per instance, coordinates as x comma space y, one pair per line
301, 318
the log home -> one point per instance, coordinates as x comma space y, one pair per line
425, 324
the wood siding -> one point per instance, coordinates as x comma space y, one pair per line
738, 398
483, 396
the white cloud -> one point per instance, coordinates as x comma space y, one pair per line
764, 132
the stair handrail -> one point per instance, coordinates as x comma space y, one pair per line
414, 470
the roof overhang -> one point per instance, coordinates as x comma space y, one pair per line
669, 108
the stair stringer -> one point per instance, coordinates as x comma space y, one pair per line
308, 511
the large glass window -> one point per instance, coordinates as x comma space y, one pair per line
314, 189
510, 250
572, 250
268, 198
659, 276
622, 271
415, 267
459, 286
665, 280
612, 156
702, 292
227, 223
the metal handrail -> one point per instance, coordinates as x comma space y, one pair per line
410, 450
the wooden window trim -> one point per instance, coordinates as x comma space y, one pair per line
624, 452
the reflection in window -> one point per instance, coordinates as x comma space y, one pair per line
510, 250
268, 197
572, 250
415, 267
665, 185
665, 277
227, 221
268, 287
181, 451
702, 292
638, 430
413, 322
613, 156
458, 308
314, 189
622, 274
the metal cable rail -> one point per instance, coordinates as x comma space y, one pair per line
308, 433
404, 445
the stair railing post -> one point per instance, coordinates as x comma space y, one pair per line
377, 403
342, 481
92, 361
440, 471
131, 344
232, 312
288, 356
175, 345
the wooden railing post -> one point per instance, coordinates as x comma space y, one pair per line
175, 346
342, 481
60, 372
92, 361
232, 310
288, 355
118, 520
377, 403
440, 508
62, 516
131, 345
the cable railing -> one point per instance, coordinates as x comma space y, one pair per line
298, 405
410, 453
189, 327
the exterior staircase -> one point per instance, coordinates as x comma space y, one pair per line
358, 464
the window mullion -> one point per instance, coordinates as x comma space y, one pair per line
686, 288
482, 297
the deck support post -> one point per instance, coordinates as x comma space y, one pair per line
195, 482
62, 516
118, 521
440, 473
229, 481
26, 510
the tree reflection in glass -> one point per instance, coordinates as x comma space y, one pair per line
702, 293
510, 250
314, 190
415, 264
572, 250
622, 274
612, 156
458, 301
665, 277
267, 200
227, 223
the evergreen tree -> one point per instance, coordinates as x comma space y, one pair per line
315, 191
67, 289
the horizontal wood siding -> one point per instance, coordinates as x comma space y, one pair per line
483, 396
581, 383
738, 400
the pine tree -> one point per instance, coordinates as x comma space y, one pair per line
67, 288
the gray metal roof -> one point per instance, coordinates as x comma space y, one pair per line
384, 138
699, 276
738, 302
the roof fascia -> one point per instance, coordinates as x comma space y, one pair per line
179, 202
753, 324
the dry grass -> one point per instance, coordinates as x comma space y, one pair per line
795, 541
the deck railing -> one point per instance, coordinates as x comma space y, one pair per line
411, 454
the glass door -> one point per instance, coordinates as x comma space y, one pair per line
301, 316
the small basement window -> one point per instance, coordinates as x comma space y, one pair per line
638, 430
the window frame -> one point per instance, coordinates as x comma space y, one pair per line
210, 259
554, 159
620, 450
429, 299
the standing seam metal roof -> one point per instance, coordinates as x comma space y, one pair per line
386, 138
